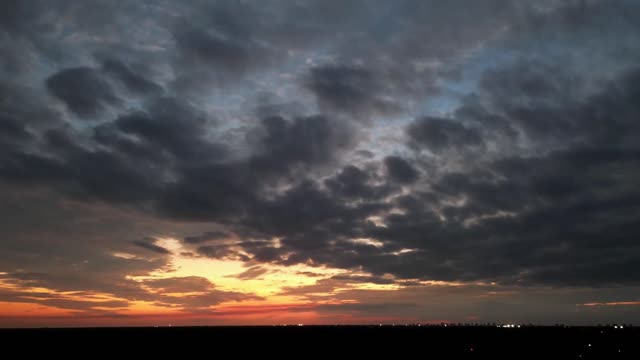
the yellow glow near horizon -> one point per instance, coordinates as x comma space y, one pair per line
224, 273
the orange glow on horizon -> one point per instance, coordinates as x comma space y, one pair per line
613, 303
266, 302
240, 293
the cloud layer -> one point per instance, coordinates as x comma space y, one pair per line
402, 144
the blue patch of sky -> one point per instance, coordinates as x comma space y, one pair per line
454, 89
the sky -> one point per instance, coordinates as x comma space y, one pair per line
319, 162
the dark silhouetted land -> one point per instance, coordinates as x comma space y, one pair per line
333, 341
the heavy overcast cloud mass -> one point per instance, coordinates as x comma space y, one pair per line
263, 162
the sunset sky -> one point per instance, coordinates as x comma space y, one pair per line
319, 162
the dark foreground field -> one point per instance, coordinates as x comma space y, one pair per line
334, 341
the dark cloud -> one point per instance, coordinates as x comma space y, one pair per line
513, 220
253, 272
439, 134
12, 14
566, 216
349, 89
84, 174
530, 100
534, 219
83, 90
400, 170
149, 245
364, 279
283, 148
352, 182
306, 140
20, 167
12, 131
206, 237
226, 47
223, 252
171, 127
21, 107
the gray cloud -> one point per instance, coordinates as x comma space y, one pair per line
131, 80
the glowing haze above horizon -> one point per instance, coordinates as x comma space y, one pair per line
319, 162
